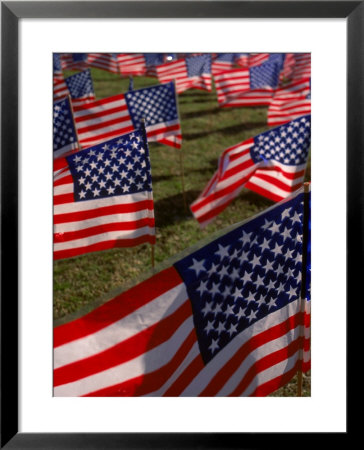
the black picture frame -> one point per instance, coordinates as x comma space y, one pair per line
11, 12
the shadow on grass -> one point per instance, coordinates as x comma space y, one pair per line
233, 129
172, 210
194, 114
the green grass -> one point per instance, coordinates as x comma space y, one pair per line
206, 131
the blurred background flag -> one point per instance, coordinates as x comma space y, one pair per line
272, 164
225, 320
57, 68
131, 64
104, 198
64, 132
103, 61
79, 86
190, 72
109, 117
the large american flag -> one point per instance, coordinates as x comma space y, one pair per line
79, 86
190, 72
290, 102
103, 61
104, 199
64, 132
272, 164
225, 320
119, 114
250, 86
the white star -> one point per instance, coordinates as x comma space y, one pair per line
255, 261
220, 328
110, 190
197, 266
229, 311
241, 313
235, 274
207, 308
125, 188
247, 277
82, 194
292, 292
227, 291
223, 251
295, 218
265, 245
245, 238
252, 315
274, 228
259, 281
277, 250
214, 345
96, 192
272, 303
261, 301
202, 288
286, 233
237, 294
209, 327
268, 265
214, 289
212, 269
232, 329
271, 285
250, 298
280, 288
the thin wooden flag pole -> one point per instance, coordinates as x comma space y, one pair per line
306, 211
180, 152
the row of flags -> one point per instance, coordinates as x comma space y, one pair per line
227, 319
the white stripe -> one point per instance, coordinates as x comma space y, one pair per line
104, 237
83, 224
141, 365
199, 383
139, 320
166, 124
116, 103
256, 355
99, 203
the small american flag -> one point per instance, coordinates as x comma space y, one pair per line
225, 320
79, 86
64, 132
103, 61
104, 198
251, 86
297, 66
190, 72
290, 102
74, 61
131, 63
272, 164
223, 62
112, 116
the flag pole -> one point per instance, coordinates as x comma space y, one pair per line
144, 131
74, 122
306, 210
180, 152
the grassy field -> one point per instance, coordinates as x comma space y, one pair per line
79, 283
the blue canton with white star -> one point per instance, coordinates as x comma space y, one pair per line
153, 59
198, 65
80, 84
244, 275
288, 144
57, 66
64, 132
156, 104
79, 57
117, 167
266, 75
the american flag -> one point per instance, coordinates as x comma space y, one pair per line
252, 59
104, 198
119, 114
249, 87
297, 66
290, 102
64, 132
103, 61
190, 72
223, 62
74, 61
79, 86
272, 164
223, 321
57, 68
131, 63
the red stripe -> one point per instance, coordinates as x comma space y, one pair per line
126, 350
263, 364
104, 135
63, 198
103, 228
185, 378
164, 129
170, 143
118, 307
150, 382
97, 126
269, 194
222, 376
101, 102
64, 180
105, 245
271, 386
103, 211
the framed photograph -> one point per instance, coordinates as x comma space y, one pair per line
31, 32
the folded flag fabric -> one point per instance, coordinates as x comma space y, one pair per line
103, 61
223, 62
79, 86
297, 66
290, 102
252, 86
104, 198
192, 72
272, 164
64, 132
225, 320
107, 118
252, 59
